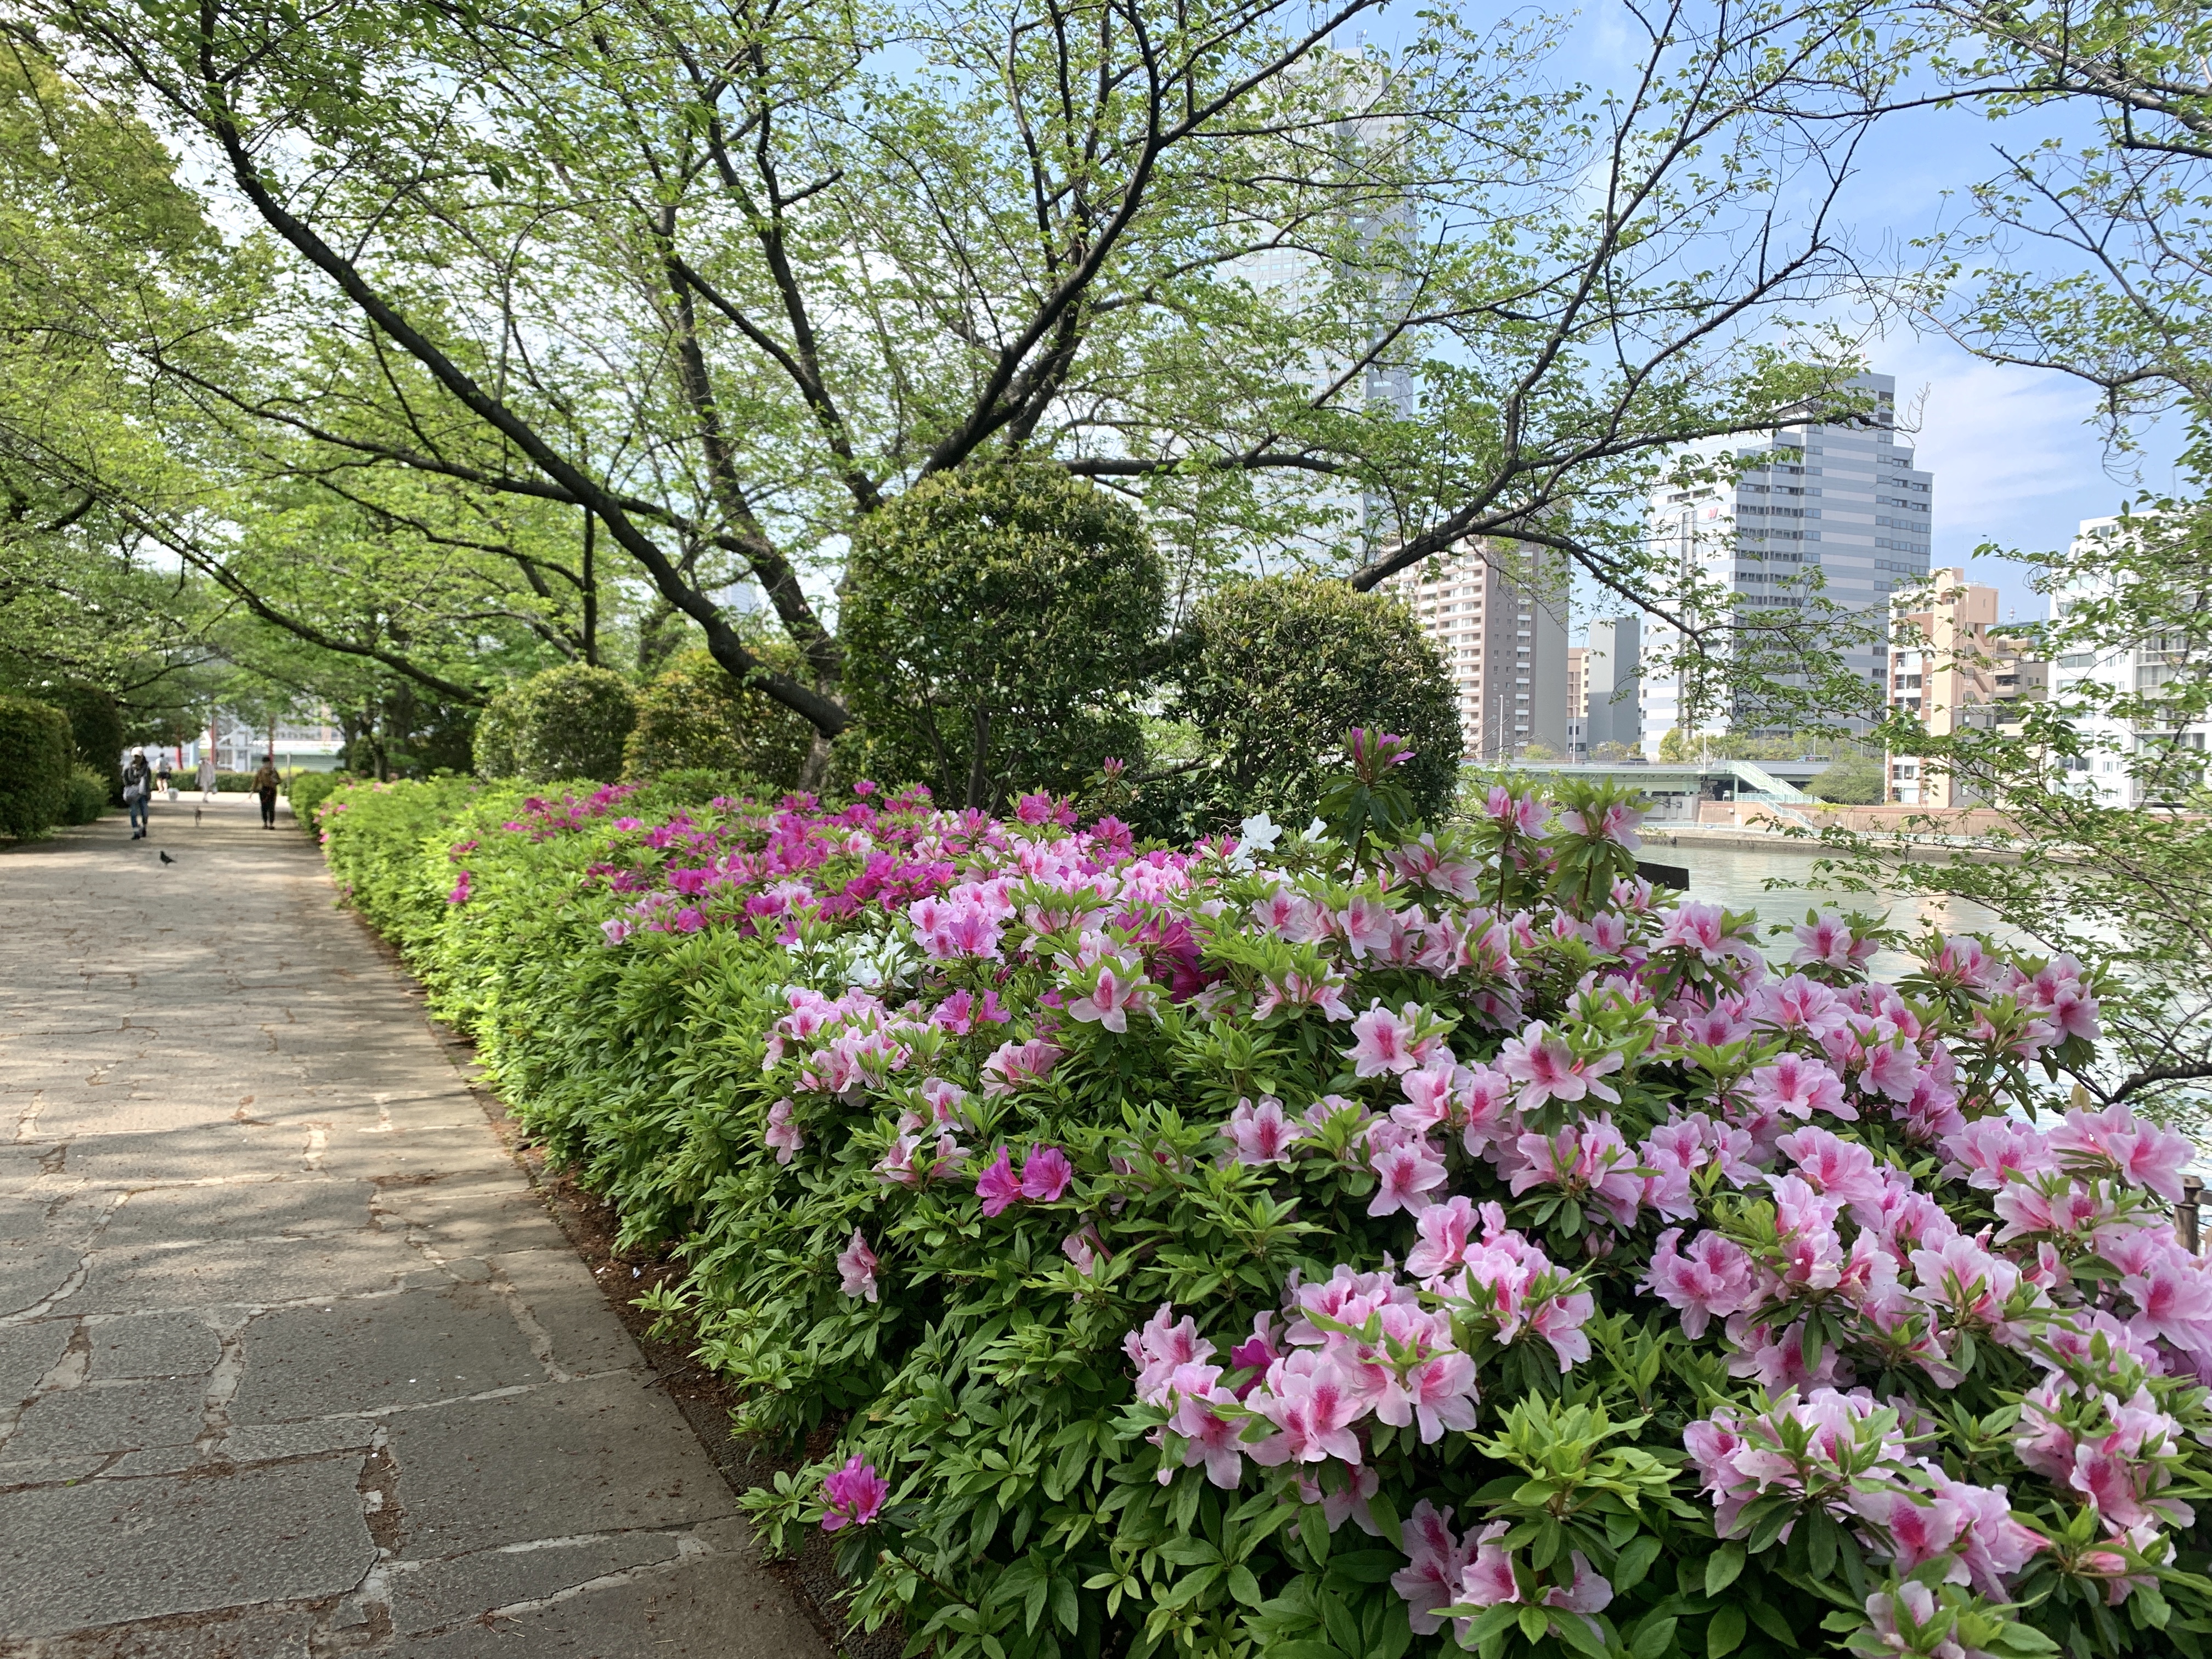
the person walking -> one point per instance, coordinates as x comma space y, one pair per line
137, 793
266, 783
161, 779
207, 775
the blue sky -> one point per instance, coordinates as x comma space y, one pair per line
2016, 460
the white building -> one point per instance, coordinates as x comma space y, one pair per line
2114, 763
1498, 618
1842, 498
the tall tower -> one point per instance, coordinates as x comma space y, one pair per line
1842, 497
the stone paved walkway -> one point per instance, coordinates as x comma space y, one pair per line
292, 1361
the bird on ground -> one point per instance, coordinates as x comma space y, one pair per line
166, 859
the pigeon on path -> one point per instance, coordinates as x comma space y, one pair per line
166, 859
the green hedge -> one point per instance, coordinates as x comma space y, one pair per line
37, 759
309, 790
86, 796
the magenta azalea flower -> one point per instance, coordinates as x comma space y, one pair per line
853, 1496
998, 1186
1045, 1175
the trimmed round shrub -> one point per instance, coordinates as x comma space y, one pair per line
695, 716
37, 757
493, 750
997, 634
1273, 671
571, 722
86, 797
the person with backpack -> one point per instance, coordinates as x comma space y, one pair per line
266, 783
138, 794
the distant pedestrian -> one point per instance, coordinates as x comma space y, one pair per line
266, 783
207, 777
161, 778
137, 793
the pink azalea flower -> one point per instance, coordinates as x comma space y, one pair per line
856, 1268
2145, 1154
1799, 1087
1313, 1405
997, 1186
1489, 1578
1831, 1165
1159, 1347
782, 1133
853, 1496
1437, 1562
1716, 1277
1013, 1065
1045, 1175
1261, 1134
1827, 941
1702, 930
1992, 1151
1085, 1247
1385, 1043
1406, 1176
1588, 1592
1547, 1070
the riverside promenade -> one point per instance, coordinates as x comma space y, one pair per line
292, 1361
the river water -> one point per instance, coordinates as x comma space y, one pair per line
1740, 877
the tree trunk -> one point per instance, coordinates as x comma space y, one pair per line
979, 776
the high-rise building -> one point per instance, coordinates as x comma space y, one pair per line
1577, 700
1950, 667
1498, 615
2114, 766
1840, 497
1612, 701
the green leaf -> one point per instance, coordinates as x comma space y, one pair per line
1535, 1623
1242, 1585
1634, 1562
1336, 1616
1313, 1532
1725, 1633
1654, 1637
1820, 1544
1722, 1567
1770, 1619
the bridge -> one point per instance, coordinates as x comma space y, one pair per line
1678, 788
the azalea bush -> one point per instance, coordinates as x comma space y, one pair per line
1374, 1240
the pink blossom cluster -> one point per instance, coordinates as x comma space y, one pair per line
1359, 1346
1444, 1569
1846, 1452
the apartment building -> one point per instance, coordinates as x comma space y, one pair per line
2116, 765
1498, 614
1951, 666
